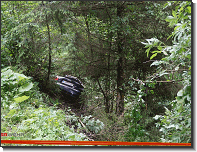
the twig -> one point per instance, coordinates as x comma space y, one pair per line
150, 61
178, 70
172, 81
83, 125
85, 129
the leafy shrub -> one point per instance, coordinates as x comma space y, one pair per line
92, 124
23, 111
175, 125
14, 87
138, 119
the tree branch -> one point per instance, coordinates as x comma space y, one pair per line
172, 81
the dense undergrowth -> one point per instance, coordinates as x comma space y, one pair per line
24, 109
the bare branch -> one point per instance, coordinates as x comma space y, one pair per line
172, 81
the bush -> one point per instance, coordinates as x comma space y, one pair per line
23, 111
175, 125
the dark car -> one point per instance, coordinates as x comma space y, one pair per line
70, 85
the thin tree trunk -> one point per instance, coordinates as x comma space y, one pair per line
109, 72
105, 97
108, 80
49, 37
89, 38
59, 21
120, 80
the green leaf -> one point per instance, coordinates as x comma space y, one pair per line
164, 52
155, 63
152, 92
157, 117
7, 73
156, 52
174, 13
159, 48
189, 9
180, 93
176, 28
181, 9
170, 18
180, 101
11, 113
165, 73
21, 99
20, 76
177, 68
26, 87
154, 55
148, 50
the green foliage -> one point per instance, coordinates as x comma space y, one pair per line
29, 114
138, 119
91, 41
20, 99
93, 125
135, 130
176, 124
14, 86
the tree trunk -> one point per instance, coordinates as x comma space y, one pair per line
89, 38
120, 80
49, 37
108, 65
106, 98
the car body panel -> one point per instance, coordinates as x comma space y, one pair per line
70, 85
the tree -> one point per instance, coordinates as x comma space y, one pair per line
96, 44
120, 72
102, 39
